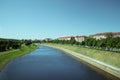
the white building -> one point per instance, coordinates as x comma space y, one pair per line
80, 38
77, 38
65, 38
103, 35
116, 34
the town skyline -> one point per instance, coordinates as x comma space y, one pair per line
81, 38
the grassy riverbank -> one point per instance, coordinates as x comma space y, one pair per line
111, 58
7, 56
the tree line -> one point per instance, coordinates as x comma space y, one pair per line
8, 44
110, 43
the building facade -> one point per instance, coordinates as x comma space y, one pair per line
65, 38
116, 34
77, 38
104, 35
80, 38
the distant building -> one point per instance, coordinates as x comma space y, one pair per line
65, 38
104, 35
47, 39
116, 34
77, 38
80, 38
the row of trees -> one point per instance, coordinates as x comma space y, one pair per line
109, 43
7, 44
72, 41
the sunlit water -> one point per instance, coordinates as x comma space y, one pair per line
48, 64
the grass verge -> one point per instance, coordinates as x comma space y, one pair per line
111, 58
7, 56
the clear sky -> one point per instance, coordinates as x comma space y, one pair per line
38, 19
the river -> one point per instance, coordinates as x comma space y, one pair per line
46, 63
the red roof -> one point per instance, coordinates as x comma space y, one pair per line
80, 36
67, 37
71, 37
99, 34
116, 33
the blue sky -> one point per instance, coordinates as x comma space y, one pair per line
38, 19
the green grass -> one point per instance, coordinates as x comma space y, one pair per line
111, 58
7, 56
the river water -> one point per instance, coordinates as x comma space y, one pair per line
48, 64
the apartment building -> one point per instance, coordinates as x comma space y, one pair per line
77, 38
116, 34
104, 35
65, 38
80, 38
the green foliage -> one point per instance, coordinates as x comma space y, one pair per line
36, 41
7, 56
108, 57
7, 44
72, 40
28, 42
109, 43
118, 45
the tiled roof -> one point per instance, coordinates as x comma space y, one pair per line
116, 33
66, 37
80, 36
71, 37
99, 34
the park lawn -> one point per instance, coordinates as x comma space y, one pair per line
108, 57
7, 56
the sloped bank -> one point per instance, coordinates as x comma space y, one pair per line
108, 70
6, 57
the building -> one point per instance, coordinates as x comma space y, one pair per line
65, 38
104, 35
47, 39
116, 34
80, 38
77, 38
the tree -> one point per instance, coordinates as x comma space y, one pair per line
101, 43
28, 42
37, 41
83, 43
72, 40
89, 41
118, 45
6, 44
2, 46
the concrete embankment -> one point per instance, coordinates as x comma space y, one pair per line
108, 70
